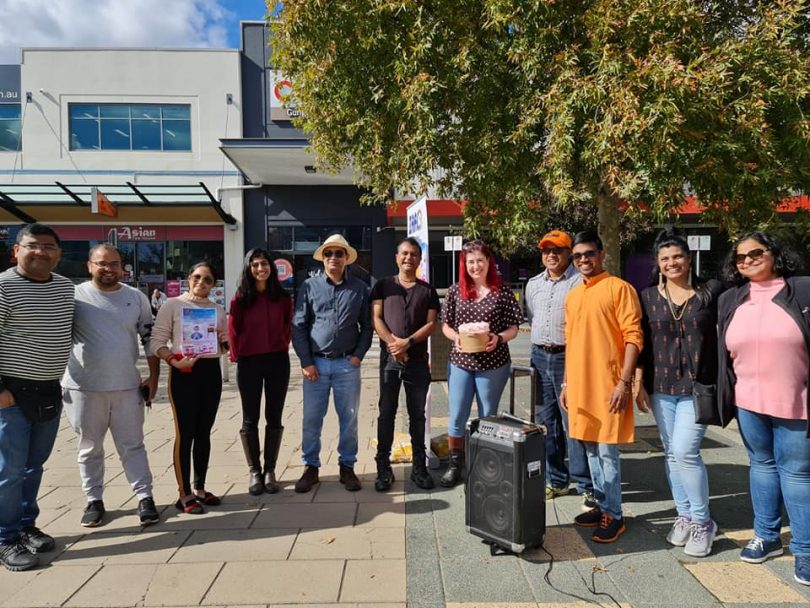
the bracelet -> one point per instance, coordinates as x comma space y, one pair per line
500, 339
563, 385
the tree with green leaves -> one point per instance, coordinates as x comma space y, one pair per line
523, 107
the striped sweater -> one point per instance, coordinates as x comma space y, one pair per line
36, 323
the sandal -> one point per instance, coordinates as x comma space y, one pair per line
212, 500
192, 507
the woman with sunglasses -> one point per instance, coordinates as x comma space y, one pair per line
679, 319
195, 380
764, 334
478, 297
259, 331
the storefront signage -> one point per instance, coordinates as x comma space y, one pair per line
137, 233
418, 229
281, 109
100, 204
10, 84
173, 288
284, 269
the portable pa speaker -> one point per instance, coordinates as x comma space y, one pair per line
506, 473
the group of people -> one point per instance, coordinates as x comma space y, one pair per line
596, 346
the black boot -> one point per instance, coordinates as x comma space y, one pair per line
419, 473
250, 443
385, 474
453, 474
272, 444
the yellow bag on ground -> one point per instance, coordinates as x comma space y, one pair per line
440, 445
401, 450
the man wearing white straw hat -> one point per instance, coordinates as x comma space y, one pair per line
331, 332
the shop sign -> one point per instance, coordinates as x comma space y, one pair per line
284, 270
9, 84
137, 233
281, 109
418, 229
172, 288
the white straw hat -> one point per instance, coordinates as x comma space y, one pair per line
336, 240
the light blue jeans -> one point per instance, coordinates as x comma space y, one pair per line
606, 473
779, 452
343, 379
681, 436
487, 388
24, 448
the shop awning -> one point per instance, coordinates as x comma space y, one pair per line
26, 201
280, 162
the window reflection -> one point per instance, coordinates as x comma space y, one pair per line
129, 126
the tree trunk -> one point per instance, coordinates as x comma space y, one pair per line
608, 217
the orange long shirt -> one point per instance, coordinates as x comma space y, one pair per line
602, 316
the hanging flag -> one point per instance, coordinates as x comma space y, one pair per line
100, 204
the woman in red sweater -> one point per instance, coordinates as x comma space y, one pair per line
259, 328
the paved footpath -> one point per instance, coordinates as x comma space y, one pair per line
404, 548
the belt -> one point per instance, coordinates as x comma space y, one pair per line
330, 355
554, 349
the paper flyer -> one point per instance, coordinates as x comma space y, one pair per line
199, 331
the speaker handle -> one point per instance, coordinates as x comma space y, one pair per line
523, 370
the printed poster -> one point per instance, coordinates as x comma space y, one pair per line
198, 328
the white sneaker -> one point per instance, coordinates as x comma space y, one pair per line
680, 531
701, 539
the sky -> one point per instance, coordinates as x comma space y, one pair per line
122, 23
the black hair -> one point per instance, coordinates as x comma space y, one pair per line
669, 237
246, 292
588, 236
37, 229
410, 241
786, 262
204, 264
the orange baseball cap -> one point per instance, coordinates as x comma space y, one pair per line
555, 238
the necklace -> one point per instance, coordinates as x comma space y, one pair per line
675, 316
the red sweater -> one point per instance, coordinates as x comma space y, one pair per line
263, 328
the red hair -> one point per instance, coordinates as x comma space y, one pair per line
466, 285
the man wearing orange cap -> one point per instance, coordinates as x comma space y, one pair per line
545, 302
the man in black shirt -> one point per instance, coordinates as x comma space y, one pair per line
404, 311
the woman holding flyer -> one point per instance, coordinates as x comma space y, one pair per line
189, 334
260, 329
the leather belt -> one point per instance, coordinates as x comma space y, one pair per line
330, 355
553, 349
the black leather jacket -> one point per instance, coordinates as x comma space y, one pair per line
794, 298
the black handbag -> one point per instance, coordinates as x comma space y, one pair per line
40, 400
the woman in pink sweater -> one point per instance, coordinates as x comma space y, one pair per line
259, 329
764, 344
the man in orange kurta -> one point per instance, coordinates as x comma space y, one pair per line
603, 340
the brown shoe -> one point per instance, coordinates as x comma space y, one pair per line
308, 479
349, 479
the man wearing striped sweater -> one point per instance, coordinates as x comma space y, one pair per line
36, 316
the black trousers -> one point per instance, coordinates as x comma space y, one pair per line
194, 397
415, 376
270, 373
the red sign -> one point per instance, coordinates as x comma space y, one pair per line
172, 288
101, 205
284, 269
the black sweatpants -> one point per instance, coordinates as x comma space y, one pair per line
269, 372
195, 399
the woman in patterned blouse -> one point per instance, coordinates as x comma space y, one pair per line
680, 345
478, 297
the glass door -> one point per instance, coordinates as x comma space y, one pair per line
150, 266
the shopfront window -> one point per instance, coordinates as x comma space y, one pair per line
182, 255
123, 126
10, 127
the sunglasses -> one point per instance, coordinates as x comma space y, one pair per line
554, 250
334, 253
591, 253
472, 245
754, 254
208, 280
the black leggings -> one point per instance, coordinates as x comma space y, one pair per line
195, 399
270, 371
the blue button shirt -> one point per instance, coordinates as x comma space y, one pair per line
331, 319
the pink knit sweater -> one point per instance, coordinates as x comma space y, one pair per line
769, 355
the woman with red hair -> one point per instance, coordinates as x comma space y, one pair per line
478, 298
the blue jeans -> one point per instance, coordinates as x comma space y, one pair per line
343, 379
681, 437
24, 448
606, 473
779, 452
550, 373
487, 388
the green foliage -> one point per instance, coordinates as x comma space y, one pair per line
533, 110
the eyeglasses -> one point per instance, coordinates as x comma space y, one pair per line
204, 278
554, 250
38, 247
336, 253
105, 265
591, 253
475, 244
754, 254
